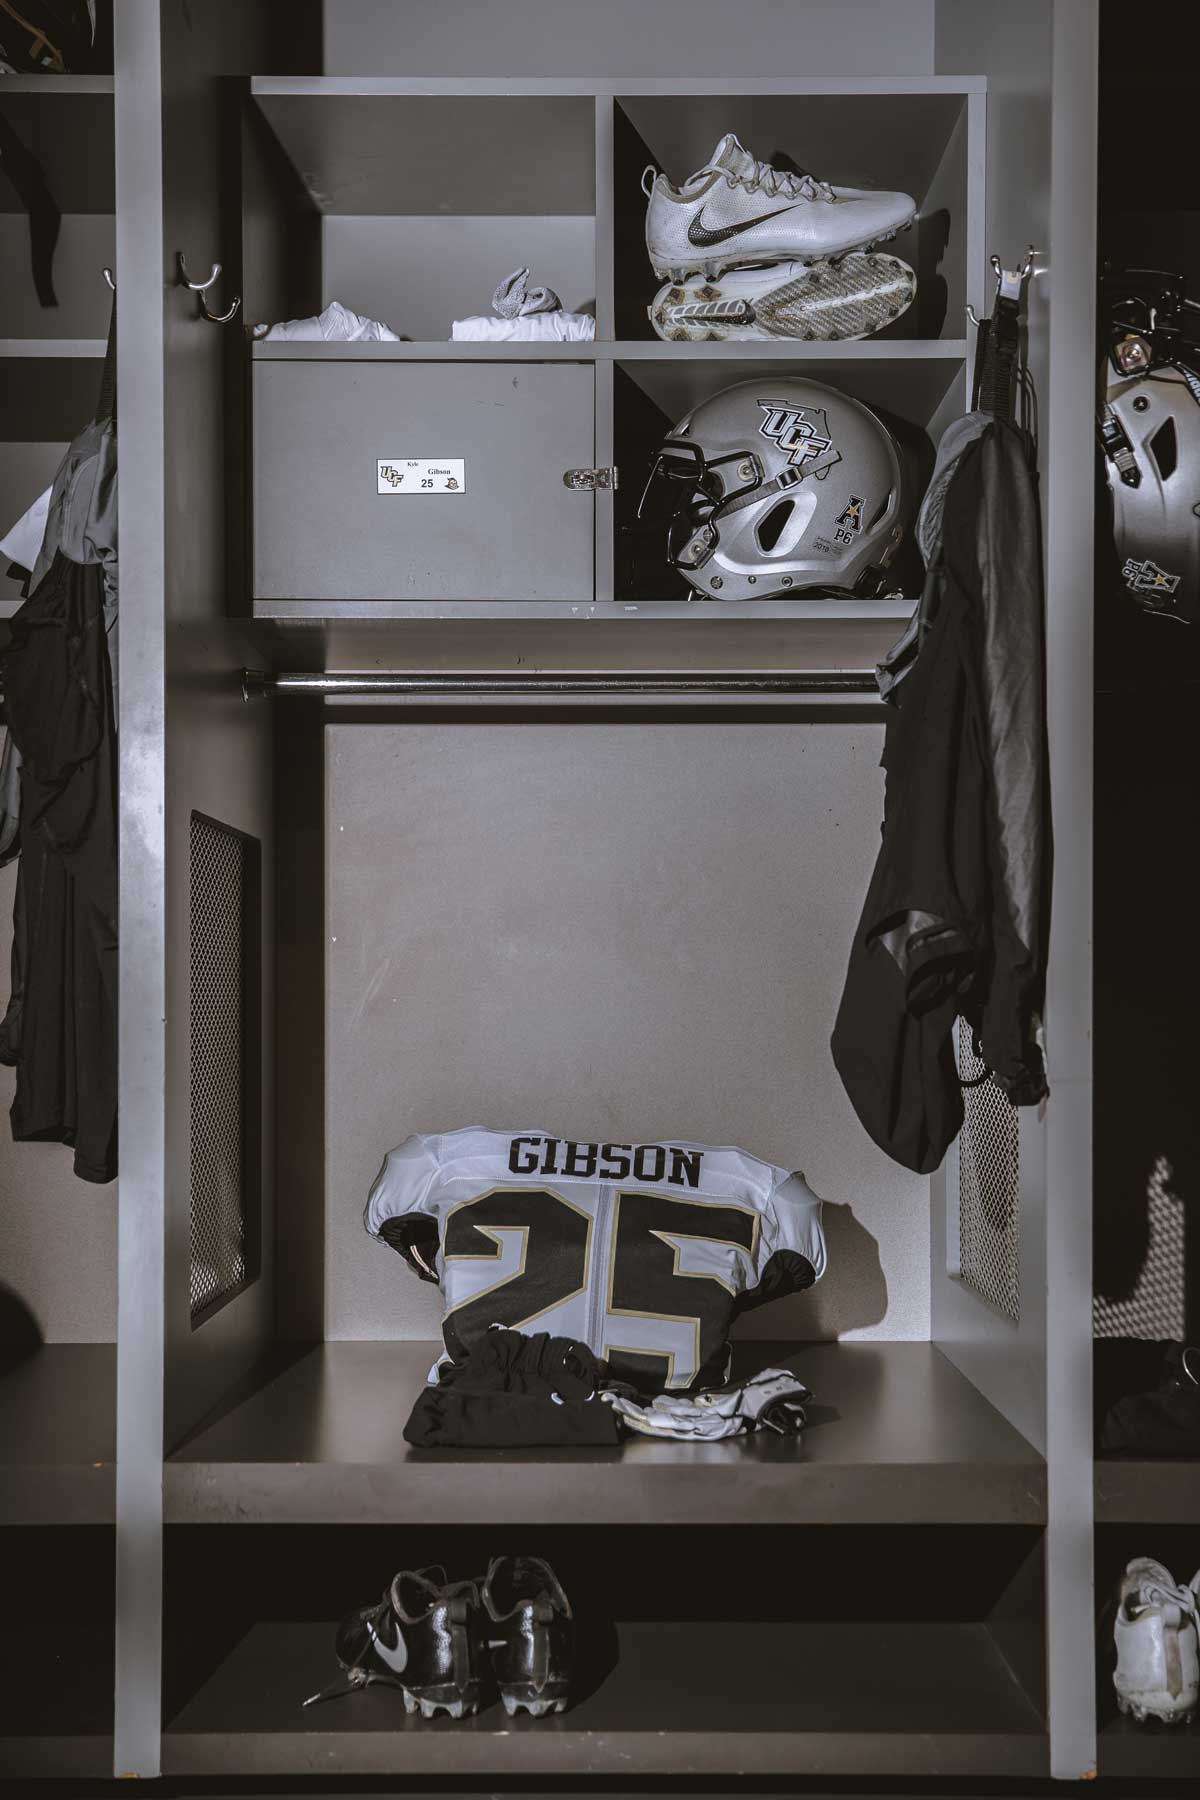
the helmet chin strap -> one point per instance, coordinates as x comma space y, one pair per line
787, 478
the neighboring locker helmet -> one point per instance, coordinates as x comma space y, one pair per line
1150, 434
781, 487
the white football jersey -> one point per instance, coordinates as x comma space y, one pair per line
644, 1252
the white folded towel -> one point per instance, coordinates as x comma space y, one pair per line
543, 327
336, 325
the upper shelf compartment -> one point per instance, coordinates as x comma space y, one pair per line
57, 149
922, 144
421, 195
424, 202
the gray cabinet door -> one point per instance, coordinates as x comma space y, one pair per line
340, 512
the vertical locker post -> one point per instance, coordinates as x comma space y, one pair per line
602, 369
1041, 63
1070, 601
142, 986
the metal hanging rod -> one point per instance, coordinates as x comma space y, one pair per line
256, 683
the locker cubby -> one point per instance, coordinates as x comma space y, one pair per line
423, 203
56, 1649
915, 142
790, 1658
1126, 1749
65, 124
50, 355
652, 393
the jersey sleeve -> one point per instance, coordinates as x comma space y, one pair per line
791, 1249
399, 1209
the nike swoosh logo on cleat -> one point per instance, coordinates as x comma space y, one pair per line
701, 235
397, 1658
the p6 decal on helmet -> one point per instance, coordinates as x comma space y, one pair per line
781, 488
1147, 578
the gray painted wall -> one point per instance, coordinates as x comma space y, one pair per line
620, 37
608, 929
58, 1235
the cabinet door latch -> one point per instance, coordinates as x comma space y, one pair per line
590, 478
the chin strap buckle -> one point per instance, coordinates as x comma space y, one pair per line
1114, 441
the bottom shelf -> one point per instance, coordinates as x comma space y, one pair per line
56, 1699
679, 1698
1150, 1751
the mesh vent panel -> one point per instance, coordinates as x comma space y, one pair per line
989, 1188
223, 982
1155, 1304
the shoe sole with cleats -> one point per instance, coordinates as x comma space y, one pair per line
537, 1705
827, 302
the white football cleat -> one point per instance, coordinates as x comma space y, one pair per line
1158, 1652
736, 210
825, 302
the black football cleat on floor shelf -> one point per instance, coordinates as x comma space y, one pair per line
424, 1637
530, 1634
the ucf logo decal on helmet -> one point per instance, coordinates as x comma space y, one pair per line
803, 432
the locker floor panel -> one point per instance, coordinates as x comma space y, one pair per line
682, 1698
58, 1435
896, 1434
1135, 1751
56, 1699
1158, 1491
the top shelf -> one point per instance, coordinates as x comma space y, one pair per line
45, 86
404, 86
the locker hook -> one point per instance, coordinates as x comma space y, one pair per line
200, 288
108, 276
1009, 281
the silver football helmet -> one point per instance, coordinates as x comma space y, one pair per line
1149, 429
782, 487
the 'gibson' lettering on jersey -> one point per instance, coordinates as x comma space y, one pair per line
605, 1162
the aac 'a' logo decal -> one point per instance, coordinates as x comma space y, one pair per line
1147, 578
803, 433
851, 514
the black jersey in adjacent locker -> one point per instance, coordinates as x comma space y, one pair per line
60, 1029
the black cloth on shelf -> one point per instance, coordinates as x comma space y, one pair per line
1164, 1421
511, 1390
953, 923
60, 1029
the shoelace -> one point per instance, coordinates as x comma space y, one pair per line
1153, 1594
355, 1676
775, 181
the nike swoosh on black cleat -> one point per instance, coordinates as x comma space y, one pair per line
701, 235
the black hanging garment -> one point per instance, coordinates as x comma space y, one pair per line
954, 918
61, 1026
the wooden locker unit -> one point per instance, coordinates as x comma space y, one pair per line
260, 1457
